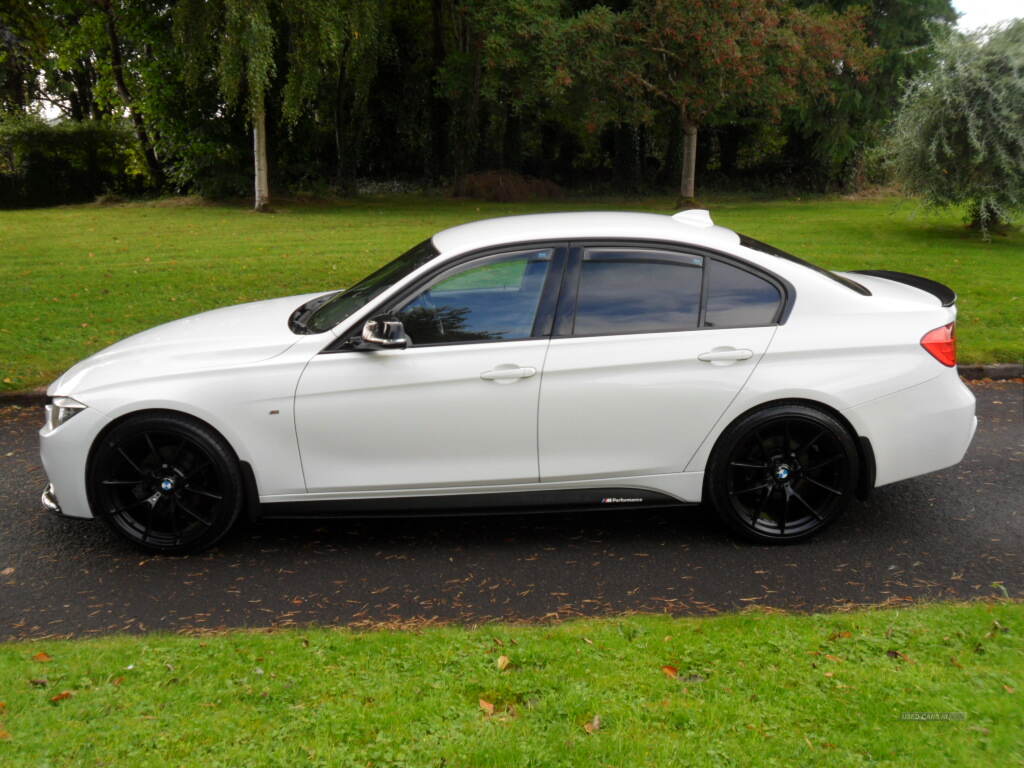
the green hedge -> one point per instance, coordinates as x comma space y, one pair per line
45, 163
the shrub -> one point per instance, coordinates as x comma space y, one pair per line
67, 162
506, 187
959, 136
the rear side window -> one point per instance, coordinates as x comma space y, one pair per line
637, 291
738, 298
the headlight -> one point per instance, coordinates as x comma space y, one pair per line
60, 410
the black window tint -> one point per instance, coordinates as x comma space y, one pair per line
637, 292
490, 300
738, 298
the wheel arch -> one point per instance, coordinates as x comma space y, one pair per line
865, 452
244, 466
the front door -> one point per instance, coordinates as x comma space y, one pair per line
458, 406
657, 346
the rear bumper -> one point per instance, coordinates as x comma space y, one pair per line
918, 430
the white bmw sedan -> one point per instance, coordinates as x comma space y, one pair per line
557, 361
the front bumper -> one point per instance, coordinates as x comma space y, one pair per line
49, 499
64, 451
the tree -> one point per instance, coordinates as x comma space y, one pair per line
958, 138
716, 59
827, 137
247, 41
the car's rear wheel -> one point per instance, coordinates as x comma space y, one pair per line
782, 473
166, 483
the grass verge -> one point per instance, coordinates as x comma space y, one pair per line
744, 689
77, 278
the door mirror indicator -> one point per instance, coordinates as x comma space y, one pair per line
384, 334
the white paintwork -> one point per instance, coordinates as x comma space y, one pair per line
634, 411
640, 405
419, 417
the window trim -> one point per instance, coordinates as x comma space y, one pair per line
543, 319
565, 313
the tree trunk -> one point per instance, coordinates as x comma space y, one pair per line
440, 116
156, 172
259, 153
687, 186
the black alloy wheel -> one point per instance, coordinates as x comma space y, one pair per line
165, 482
782, 473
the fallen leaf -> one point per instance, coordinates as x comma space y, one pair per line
670, 671
829, 674
486, 706
7, 571
588, 641
839, 635
503, 662
3, 706
62, 695
1010, 689
4, 734
117, 680
836, 659
42, 656
899, 655
955, 663
594, 725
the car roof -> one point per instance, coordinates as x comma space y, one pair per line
693, 227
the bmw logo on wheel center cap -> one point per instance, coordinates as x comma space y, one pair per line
782, 472
167, 484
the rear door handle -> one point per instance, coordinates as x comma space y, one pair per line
725, 355
508, 373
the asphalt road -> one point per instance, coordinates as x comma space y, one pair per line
953, 534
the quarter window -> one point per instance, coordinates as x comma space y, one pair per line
634, 291
494, 299
737, 298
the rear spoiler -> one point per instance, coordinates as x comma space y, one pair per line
943, 293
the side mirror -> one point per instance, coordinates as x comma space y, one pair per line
385, 334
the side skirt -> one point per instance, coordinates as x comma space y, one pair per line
513, 503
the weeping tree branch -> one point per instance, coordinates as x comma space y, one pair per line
156, 171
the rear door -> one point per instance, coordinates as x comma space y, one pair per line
650, 346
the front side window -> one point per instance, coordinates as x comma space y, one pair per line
737, 298
637, 291
492, 299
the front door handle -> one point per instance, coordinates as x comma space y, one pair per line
725, 355
508, 373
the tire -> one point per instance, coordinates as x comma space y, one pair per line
783, 473
165, 482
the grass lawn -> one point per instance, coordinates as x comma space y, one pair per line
749, 689
77, 278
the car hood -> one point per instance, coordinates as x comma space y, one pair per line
220, 338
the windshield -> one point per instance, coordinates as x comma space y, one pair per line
340, 305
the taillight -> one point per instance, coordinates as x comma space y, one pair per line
941, 344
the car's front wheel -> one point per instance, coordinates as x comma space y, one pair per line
782, 473
165, 482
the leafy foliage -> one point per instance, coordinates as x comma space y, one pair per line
42, 164
959, 135
581, 93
